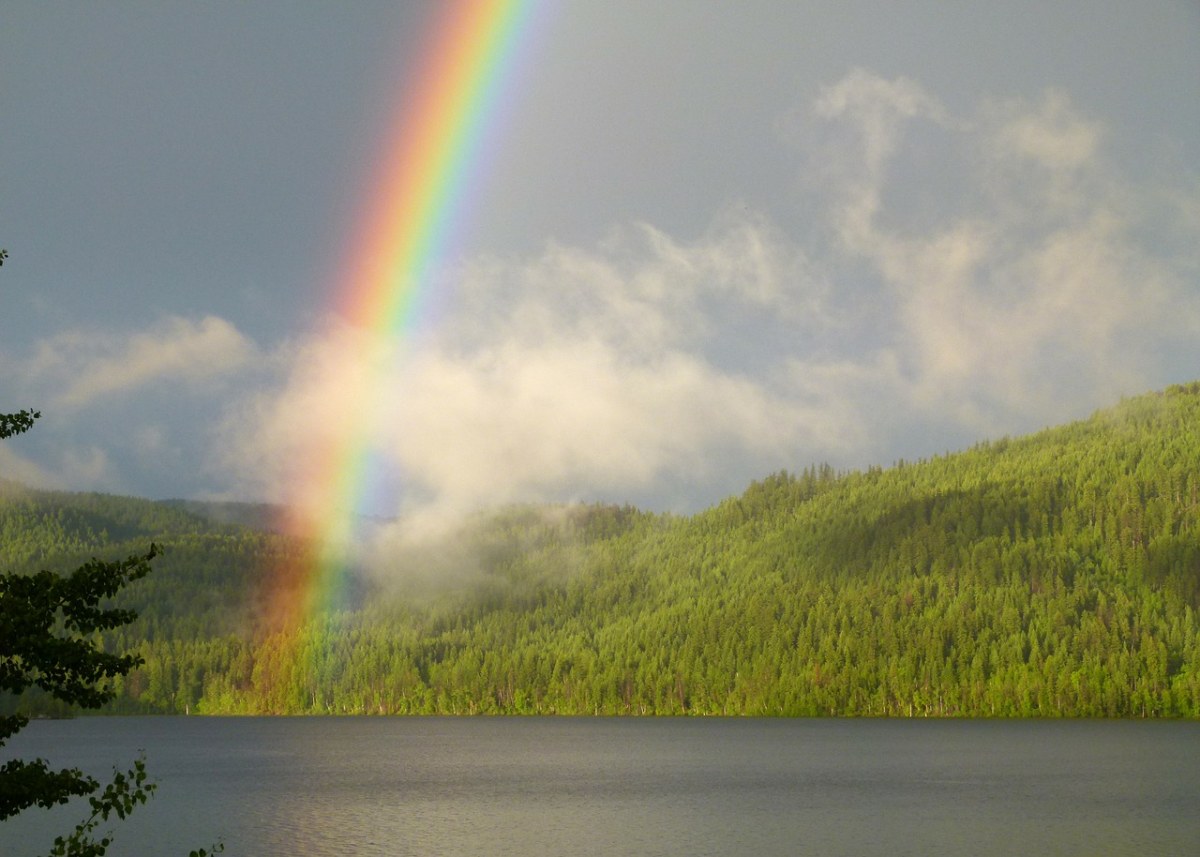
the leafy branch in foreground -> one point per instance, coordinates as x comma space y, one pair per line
119, 797
49, 639
49, 625
14, 424
47, 628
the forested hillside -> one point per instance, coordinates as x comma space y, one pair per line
1051, 575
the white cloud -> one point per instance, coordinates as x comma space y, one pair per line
648, 360
545, 420
20, 469
576, 374
71, 468
144, 396
85, 467
878, 113
879, 108
639, 287
79, 368
1043, 293
1051, 134
1039, 284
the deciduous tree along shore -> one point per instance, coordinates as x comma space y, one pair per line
1056, 574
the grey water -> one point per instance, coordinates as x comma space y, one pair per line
309, 787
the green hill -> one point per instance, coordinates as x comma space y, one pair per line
1051, 575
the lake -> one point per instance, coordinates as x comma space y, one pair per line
309, 787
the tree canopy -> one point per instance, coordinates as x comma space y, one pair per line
1051, 575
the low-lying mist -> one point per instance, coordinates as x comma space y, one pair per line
504, 555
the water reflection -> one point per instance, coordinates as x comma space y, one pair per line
426, 786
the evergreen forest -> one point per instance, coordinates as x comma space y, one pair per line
1056, 574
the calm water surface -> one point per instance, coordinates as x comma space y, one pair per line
304, 787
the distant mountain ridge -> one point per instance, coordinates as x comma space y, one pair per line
1056, 574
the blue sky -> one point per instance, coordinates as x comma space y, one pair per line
713, 240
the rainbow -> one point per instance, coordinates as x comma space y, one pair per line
421, 193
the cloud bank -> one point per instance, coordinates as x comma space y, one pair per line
1025, 293
579, 374
1049, 289
954, 276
